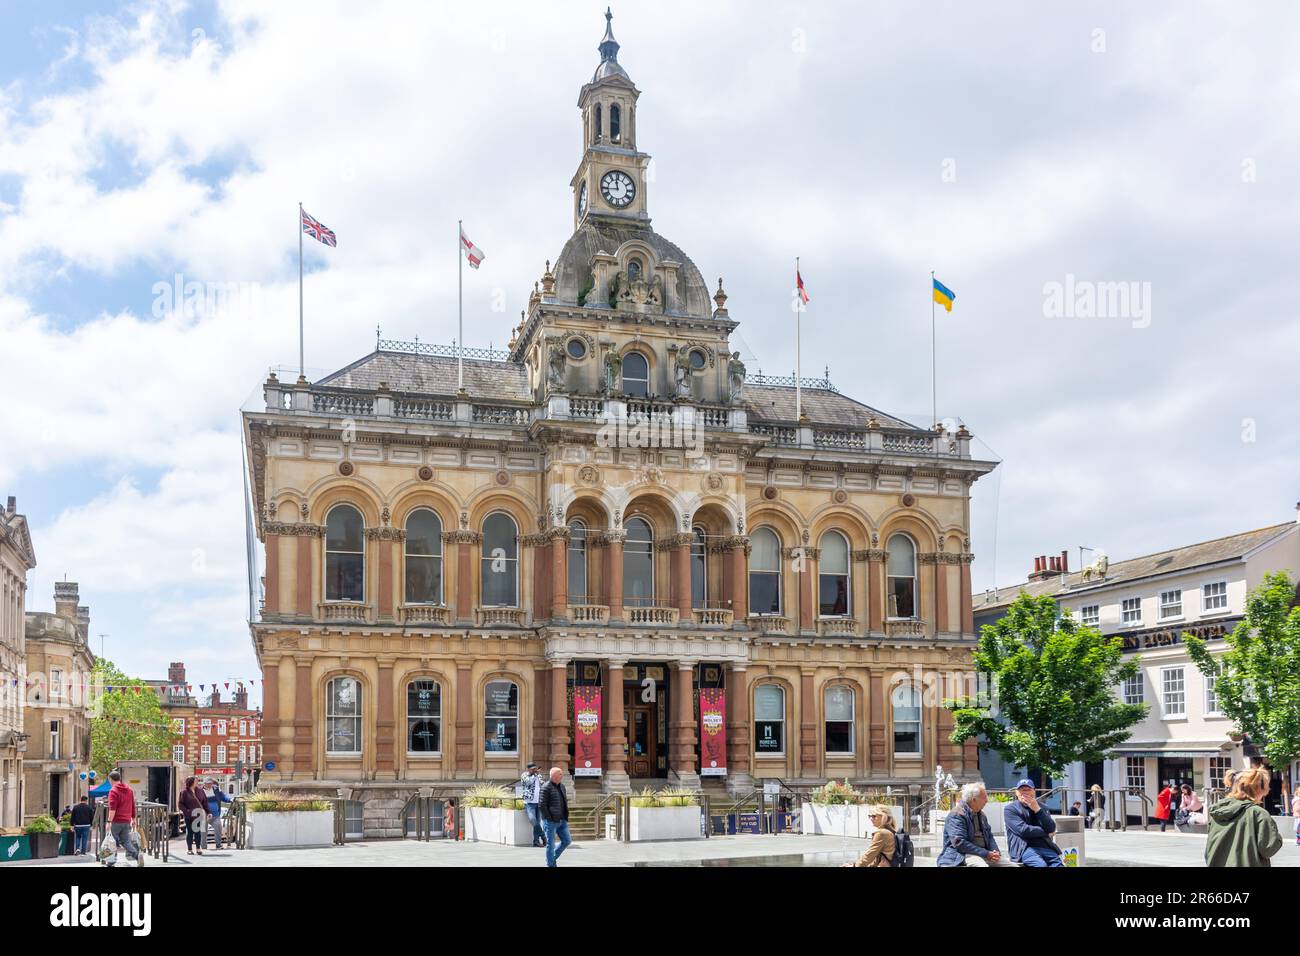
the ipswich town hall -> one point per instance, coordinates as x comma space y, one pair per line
604, 549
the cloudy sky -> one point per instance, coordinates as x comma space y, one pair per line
1006, 146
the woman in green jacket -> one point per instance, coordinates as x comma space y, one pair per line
1241, 831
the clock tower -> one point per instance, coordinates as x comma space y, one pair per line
610, 182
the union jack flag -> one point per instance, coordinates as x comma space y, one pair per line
318, 231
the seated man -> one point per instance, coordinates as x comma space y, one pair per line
1030, 828
967, 836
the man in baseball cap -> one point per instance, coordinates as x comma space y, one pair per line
532, 787
1029, 829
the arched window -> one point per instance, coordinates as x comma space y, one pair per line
343, 716
423, 717
838, 701
699, 568
833, 575
769, 719
578, 593
501, 717
499, 565
906, 703
423, 558
345, 555
902, 576
600, 130
764, 572
639, 564
615, 122
636, 375
633, 269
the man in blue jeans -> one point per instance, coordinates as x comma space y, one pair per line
1030, 828
532, 792
83, 815
554, 809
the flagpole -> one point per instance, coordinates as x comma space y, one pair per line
460, 307
934, 387
798, 346
302, 365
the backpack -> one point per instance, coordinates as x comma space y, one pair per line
904, 854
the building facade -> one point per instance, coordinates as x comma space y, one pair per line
1151, 601
608, 549
59, 665
17, 557
217, 739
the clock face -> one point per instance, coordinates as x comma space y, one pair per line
582, 200
617, 188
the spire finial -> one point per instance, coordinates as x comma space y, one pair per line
608, 45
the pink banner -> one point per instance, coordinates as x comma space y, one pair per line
586, 731
713, 732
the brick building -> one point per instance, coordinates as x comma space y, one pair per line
220, 739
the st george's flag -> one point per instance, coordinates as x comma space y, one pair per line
473, 253
799, 287
317, 230
943, 295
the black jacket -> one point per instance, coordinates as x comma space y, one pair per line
554, 805
83, 815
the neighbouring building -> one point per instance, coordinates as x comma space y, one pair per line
1151, 601
608, 549
17, 557
219, 739
59, 665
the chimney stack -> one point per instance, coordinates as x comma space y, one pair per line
215, 699
1065, 562
176, 673
11, 506
241, 697
66, 599
83, 621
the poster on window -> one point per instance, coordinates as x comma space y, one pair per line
713, 732
586, 731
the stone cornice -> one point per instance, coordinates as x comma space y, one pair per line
385, 534
296, 528
462, 537
673, 541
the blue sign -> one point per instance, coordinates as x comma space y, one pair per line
748, 823
270, 765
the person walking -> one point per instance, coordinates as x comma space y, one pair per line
967, 836
121, 819
1029, 829
553, 805
1163, 800
1295, 812
884, 842
215, 798
82, 816
449, 820
194, 808
1096, 806
1241, 831
532, 784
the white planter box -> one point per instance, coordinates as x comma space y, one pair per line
276, 829
496, 825
664, 823
842, 819
993, 811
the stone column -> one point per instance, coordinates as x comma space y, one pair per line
464, 541
385, 726
880, 755
304, 757
559, 716
271, 606
384, 540
808, 749
615, 777
941, 593
614, 577
738, 552
739, 757
681, 729
967, 610
465, 737
805, 556
680, 563
876, 586
559, 573
306, 544
271, 715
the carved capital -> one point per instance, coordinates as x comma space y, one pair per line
462, 537
385, 534
293, 529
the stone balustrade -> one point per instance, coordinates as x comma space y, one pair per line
343, 612
436, 614
837, 627
769, 623
501, 616
712, 616
589, 613
905, 628
652, 615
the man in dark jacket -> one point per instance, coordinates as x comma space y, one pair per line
83, 815
1030, 828
554, 810
967, 836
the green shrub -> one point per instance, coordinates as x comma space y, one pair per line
491, 795
677, 797
280, 801
43, 824
646, 798
834, 793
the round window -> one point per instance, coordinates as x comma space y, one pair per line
697, 359
577, 348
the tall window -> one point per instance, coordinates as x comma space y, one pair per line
1131, 611
501, 717
423, 717
839, 719
615, 123
221, 753
906, 701
1211, 696
178, 753
599, 127
343, 716
1090, 614
1133, 689
1173, 691
205, 726
639, 564
221, 728
902, 576
636, 375
345, 557
1171, 603
769, 719
1214, 597
1135, 775
423, 558
205, 754
56, 683
833, 575
500, 561
699, 568
578, 588
764, 572
243, 753
56, 739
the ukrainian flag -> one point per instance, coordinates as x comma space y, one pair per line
943, 295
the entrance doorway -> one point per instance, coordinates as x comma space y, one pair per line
1173, 771
642, 733
56, 791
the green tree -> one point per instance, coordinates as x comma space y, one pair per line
1258, 682
125, 724
1052, 682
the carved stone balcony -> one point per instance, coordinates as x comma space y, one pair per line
712, 616
589, 613
651, 615
769, 623
837, 627
343, 612
435, 614
905, 629
501, 616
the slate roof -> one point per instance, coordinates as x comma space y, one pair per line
773, 403
433, 375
